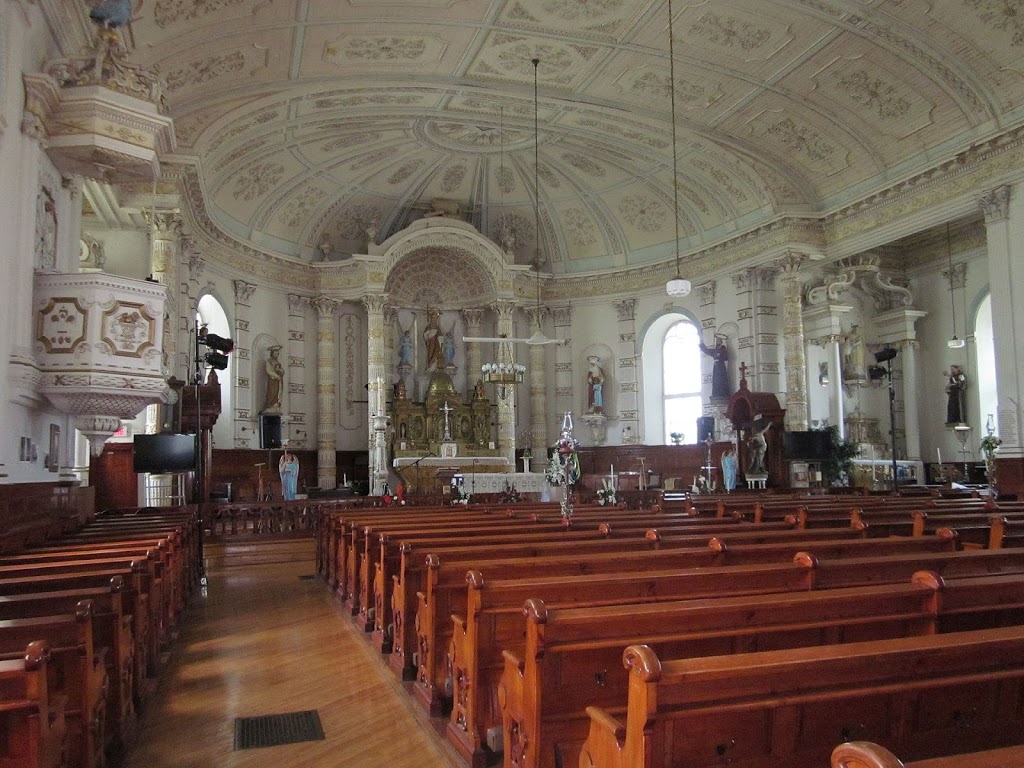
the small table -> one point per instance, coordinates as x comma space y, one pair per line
759, 482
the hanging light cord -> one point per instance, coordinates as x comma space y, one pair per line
536, 184
949, 255
675, 153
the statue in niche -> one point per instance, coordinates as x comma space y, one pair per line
449, 347
288, 469
275, 378
719, 373
405, 349
432, 338
956, 390
46, 231
853, 356
595, 385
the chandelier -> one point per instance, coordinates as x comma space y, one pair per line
505, 371
677, 286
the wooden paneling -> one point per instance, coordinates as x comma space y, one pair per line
678, 461
238, 467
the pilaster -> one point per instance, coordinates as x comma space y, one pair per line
326, 375
625, 351
244, 416
298, 402
794, 358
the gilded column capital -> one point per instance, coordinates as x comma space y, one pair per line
375, 302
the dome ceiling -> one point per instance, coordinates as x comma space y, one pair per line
316, 125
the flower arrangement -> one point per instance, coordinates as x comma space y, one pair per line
459, 493
677, 438
606, 493
989, 445
510, 495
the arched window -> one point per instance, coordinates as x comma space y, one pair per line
681, 381
211, 314
985, 375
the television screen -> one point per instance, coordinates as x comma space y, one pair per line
809, 445
158, 454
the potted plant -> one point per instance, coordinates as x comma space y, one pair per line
677, 438
837, 462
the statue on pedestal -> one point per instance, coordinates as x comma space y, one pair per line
595, 385
719, 373
432, 338
275, 376
956, 391
758, 446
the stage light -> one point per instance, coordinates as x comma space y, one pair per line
219, 343
884, 355
876, 372
216, 360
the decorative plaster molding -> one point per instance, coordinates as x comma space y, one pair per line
996, 205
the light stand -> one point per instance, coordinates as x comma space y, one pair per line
875, 373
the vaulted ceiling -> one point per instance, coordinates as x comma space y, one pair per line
329, 122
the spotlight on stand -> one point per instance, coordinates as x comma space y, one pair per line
884, 355
877, 373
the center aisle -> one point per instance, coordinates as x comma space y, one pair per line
264, 641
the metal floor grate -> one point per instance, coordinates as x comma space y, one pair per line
273, 730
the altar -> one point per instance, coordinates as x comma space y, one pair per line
423, 475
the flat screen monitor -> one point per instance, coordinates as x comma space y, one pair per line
808, 445
160, 454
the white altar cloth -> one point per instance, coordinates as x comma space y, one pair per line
494, 482
464, 463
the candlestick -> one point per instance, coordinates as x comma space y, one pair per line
938, 454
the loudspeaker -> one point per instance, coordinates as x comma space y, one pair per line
705, 428
270, 431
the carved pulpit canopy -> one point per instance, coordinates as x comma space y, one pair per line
750, 413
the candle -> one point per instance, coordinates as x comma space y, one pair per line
938, 454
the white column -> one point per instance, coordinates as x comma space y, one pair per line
245, 416
507, 406
629, 413
706, 300
564, 379
376, 371
1004, 226
538, 388
188, 304
297, 403
326, 375
474, 356
166, 233
794, 358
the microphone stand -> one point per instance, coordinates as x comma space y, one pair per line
421, 458
472, 483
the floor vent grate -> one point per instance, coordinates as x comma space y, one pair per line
273, 730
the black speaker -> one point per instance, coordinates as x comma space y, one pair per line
705, 428
270, 431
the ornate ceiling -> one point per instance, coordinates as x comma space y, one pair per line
316, 125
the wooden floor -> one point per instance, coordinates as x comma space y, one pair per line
264, 641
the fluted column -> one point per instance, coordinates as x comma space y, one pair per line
538, 388
245, 414
1004, 228
326, 376
297, 405
376, 359
629, 413
474, 356
166, 233
564, 379
794, 357
188, 304
507, 405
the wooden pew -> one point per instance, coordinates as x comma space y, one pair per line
133, 583
923, 696
475, 653
437, 582
394, 589
864, 754
491, 623
77, 672
143, 567
569, 656
112, 608
36, 734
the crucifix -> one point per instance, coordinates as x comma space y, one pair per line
743, 370
446, 409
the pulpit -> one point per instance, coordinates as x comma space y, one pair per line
753, 414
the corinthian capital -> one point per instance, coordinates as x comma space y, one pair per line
996, 205
324, 306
